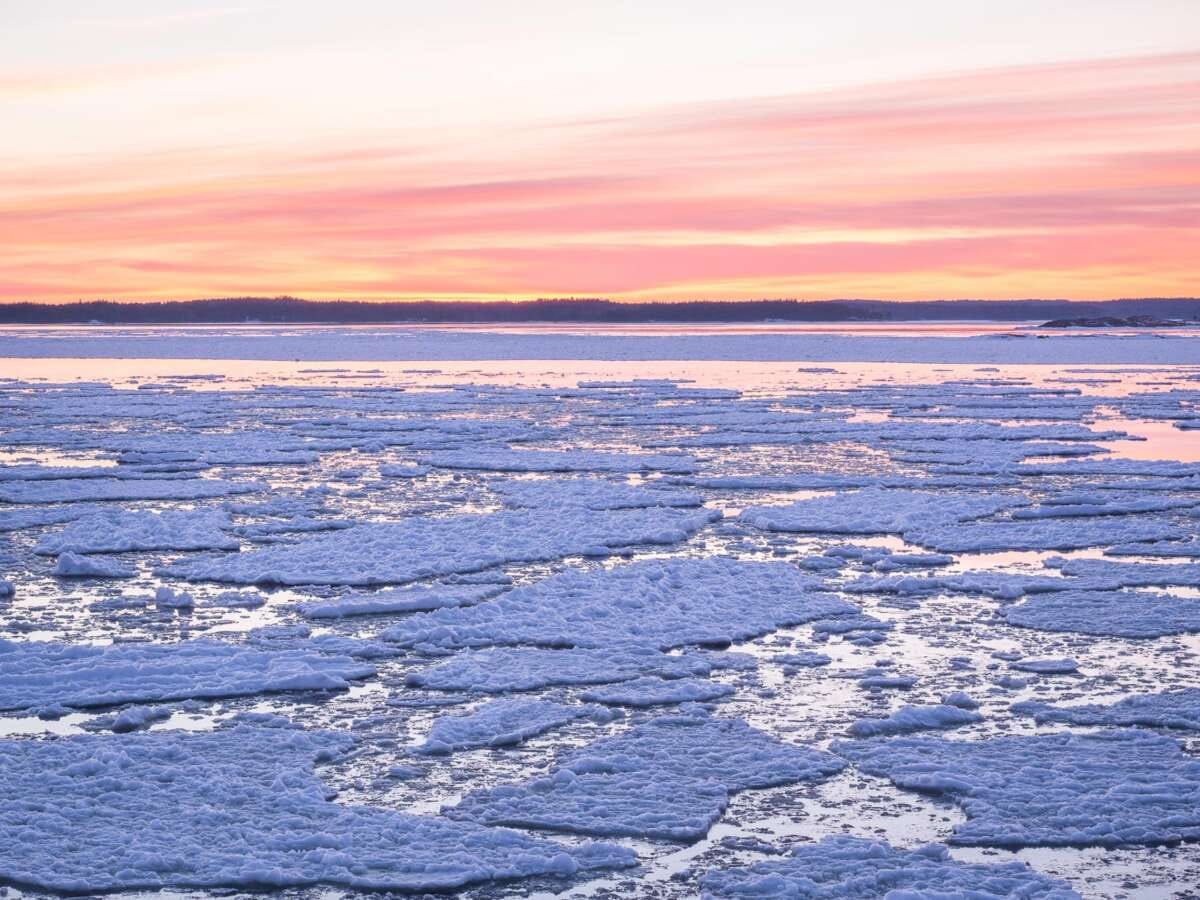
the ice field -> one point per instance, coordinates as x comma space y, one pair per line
598, 626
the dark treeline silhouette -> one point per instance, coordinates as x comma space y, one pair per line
233, 310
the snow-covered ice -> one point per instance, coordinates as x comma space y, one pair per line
38, 674
425, 547
660, 603
525, 669
669, 778
117, 531
841, 867
1053, 790
501, 723
238, 808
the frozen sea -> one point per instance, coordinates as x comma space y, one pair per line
647, 611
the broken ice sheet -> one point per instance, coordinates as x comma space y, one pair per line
877, 511
118, 531
36, 674
1168, 709
1128, 614
500, 723
238, 807
841, 867
1103, 789
526, 669
659, 603
427, 547
668, 778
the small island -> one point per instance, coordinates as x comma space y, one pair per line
1118, 322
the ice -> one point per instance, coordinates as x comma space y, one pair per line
661, 603
998, 585
236, 808
805, 659
1045, 534
501, 723
915, 718
1168, 709
504, 459
72, 565
44, 674
117, 531
399, 600
1129, 614
1164, 548
1127, 574
876, 511
1106, 789
645, 692
1104, 467
427, 547
669, 778
403, 470
1046, 666
507, 669
841, 866
591, 493
93, 489
19, 519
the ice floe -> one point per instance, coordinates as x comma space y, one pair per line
841, 867
668, 778
236, 808
915, 718
94, 489
426, 547
1168, 709
1057, 790
1043, 534
116, 531
876, 511
1129, 614
37, 674
525, 669
501, 723
661, 603
652, 691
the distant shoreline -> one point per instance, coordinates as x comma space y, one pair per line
294, 311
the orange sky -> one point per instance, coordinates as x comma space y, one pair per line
160, 178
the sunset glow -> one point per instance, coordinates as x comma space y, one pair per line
179, 150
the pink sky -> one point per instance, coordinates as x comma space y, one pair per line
182, 160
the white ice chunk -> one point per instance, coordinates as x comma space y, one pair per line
428, 547
399, 600
669, 778
1169, 709
524, 669
1130, 614
842, 867
662, 603
89, 489
501, 723
1058, 790
1047, 534
118, 531
236, 808
915, 718
876, 511
72, 565
644, 692
81, 675
592, 493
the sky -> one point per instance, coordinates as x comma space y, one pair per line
642, 150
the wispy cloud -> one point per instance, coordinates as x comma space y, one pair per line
1079, 178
